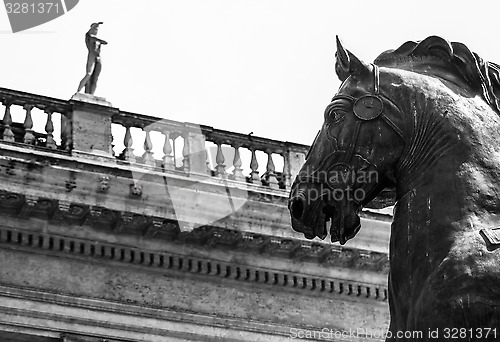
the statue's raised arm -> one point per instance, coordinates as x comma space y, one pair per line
93, 67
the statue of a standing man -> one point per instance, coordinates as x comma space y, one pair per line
93, 60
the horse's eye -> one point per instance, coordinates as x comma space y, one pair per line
333, 115
330, 115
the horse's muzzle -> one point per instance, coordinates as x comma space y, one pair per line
313, 215
307, 217
297, 206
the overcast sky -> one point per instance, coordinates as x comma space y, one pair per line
265, 66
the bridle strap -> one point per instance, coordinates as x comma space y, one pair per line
376, 80
352, 144
351, 147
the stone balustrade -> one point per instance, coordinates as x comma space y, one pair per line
225, 152
23, 132
90, 129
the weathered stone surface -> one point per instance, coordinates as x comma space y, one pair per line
91, 128
426, 119
134, 248
89, 98
183, 293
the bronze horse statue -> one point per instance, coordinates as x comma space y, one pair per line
424, 119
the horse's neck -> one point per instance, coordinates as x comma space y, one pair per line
454, 150
431, 221
428, 213
451, 191
448, 185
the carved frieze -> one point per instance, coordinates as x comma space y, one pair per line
205, 237
103, 218
342, 257
223, 238
280, 247
43, 208
132, 223
252, 243
197, 236
73, 213
162, 229
11, 203
310, 252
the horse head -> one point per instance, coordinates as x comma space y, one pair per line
353, 156
424, 118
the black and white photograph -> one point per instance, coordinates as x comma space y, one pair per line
249, 171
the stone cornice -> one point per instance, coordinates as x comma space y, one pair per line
167, 262
209, 237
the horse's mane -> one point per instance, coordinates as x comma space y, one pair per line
436, 56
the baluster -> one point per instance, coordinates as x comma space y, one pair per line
237, 174
220, 169
147, 157
174, 151
286, 178
28, 138
111, 140
209, 170
185, 153
270, 170
8, 135
128, 151
66, 134
168, 159
254, 165
49, 128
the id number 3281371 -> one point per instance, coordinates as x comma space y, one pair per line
25, 8
461, 333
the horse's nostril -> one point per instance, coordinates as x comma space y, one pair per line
297, 208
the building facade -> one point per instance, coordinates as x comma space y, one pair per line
102, 242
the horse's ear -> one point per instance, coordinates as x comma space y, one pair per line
342, 61
348, 64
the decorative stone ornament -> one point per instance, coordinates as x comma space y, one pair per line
103, 184
368, 107
136, 189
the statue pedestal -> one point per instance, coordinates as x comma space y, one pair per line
82, 97
91, 126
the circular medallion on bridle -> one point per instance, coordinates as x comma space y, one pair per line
368, 107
